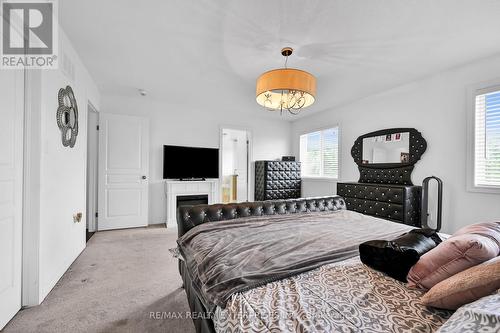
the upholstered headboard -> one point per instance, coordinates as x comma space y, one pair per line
190, 216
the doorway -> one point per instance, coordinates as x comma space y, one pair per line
235, 168
92, 162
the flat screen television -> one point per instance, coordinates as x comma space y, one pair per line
190, 162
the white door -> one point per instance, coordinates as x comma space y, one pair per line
11, 187
123, 171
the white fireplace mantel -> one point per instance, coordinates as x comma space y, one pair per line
174, 188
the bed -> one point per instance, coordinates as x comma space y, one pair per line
292, 266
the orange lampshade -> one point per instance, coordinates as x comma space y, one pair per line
286, 88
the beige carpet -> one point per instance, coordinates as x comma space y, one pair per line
114, 286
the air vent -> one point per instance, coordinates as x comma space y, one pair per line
67, 65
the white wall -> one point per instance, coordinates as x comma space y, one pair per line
436, 106
200, 127
62, 177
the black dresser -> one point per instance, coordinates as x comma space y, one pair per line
277, 180
385, 160
399, 203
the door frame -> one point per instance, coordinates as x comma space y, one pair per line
92, 172
30, 290
249, 157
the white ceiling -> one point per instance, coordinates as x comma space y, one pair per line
208, 53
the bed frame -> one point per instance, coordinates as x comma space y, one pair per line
190, 216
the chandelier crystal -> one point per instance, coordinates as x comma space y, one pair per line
286, 88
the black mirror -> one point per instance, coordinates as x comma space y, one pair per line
389, 155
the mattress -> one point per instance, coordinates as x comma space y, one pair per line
345, 296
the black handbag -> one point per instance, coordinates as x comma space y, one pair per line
396, 257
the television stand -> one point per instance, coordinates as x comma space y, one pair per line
192, 179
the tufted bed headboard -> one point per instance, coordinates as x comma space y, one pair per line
190, 216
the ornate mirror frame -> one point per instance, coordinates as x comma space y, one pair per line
389, 173
67, 116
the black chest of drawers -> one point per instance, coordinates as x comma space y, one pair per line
277, 180
399, 203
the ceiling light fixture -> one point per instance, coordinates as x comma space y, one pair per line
286, 88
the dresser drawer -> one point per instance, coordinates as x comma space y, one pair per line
283, 166
282, 184
282, 193
394, 202
283, 175
376, 208
370, 192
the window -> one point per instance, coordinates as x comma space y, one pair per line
319, 153
487, 139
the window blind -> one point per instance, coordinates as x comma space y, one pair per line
330, 153
487, 140
310, 154
319, 153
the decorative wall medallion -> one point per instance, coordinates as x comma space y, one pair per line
67, 116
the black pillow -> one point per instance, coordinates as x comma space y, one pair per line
396, 257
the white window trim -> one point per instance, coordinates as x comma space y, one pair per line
472, 92
339, 157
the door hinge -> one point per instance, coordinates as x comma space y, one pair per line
97, 127
96, 214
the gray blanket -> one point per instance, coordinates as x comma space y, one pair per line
233, 256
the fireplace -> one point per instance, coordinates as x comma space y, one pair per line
191, 200
177, 191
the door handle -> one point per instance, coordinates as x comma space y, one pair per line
144, 177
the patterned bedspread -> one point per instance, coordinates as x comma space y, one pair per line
345, 296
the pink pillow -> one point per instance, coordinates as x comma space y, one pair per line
467, 247
465, 287
489, 229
